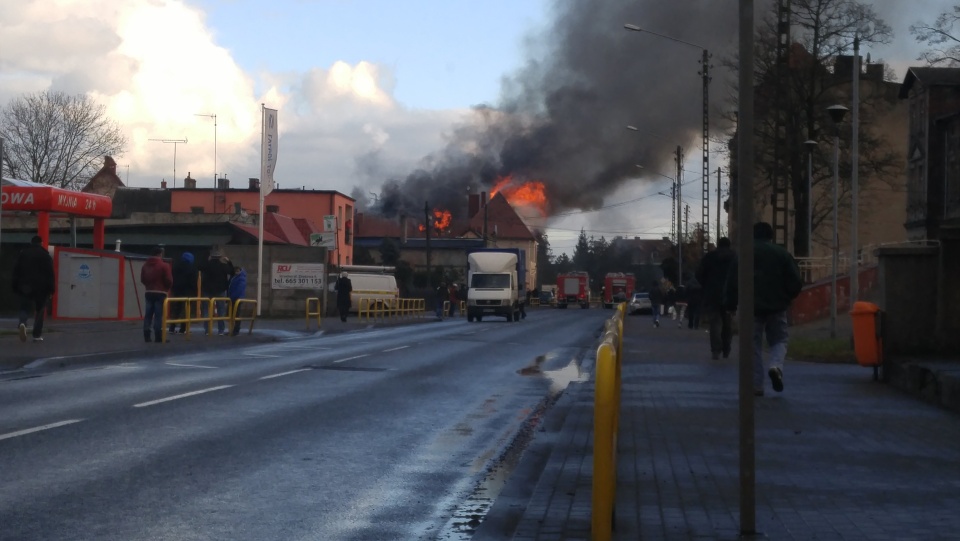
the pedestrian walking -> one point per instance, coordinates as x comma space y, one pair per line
442, 295
157, 279
237, 290
215, 276
185, 275
694, 293
454, 300
656, 302
34, 283
776, 282
344, 288
680, 303
712, 275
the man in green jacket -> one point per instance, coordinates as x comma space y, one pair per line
776, 282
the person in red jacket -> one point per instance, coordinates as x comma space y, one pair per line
157, 279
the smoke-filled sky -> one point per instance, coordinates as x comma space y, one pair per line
401, 102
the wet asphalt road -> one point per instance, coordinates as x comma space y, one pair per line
388, 434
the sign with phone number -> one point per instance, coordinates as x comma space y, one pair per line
297, 276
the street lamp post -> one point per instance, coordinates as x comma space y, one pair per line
810, 144
673, 201
837, 113
705, 76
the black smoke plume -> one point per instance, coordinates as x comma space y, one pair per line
562, 118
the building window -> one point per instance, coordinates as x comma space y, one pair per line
951, 173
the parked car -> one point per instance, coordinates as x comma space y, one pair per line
639, 302
547, 297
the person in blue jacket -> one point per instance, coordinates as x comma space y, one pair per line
236, 290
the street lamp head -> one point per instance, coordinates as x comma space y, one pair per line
837, 113
633, 27
810, 144
632, 128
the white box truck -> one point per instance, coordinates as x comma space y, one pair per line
496, 283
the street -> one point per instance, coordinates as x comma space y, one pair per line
376, 434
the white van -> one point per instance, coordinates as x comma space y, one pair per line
382, 288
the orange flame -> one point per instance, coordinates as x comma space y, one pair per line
531, 193
441, 221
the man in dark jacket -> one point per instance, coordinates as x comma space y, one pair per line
656, 301
776, 282
215, 276
344, 288
712, 275
157, 279
34, 282
184, 285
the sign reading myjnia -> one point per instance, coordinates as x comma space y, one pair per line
297, 276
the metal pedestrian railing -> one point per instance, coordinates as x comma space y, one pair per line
378, 309
606, 422
237, 318
313, 302
193, 313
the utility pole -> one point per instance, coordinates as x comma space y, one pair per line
426, 228
679, 213
854, 180
717, 234
706, 152
673, 213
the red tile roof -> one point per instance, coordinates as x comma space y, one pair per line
280, 229
502, 218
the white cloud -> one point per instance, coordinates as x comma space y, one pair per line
157, 68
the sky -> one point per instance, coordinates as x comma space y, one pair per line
397, 101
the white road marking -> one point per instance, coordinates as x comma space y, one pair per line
285, 373
37, 429
261, 355
352, 358
184, 395
395, 349
190, 365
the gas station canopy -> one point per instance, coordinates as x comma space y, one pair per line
44, 200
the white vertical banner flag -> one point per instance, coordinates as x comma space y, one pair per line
268, 151
268, 162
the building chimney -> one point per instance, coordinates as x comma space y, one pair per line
109, 164
190, 183
223, 184
163, 184
358, 223
473, 205
403, 229
254, 184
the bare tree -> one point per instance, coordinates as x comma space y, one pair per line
52, 138
945, 47
791, 103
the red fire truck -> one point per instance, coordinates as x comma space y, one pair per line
617, 288
573, 288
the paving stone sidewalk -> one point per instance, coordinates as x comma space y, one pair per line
838, 455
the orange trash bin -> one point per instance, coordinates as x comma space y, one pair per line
867, 342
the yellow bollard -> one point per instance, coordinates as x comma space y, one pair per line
604, 443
